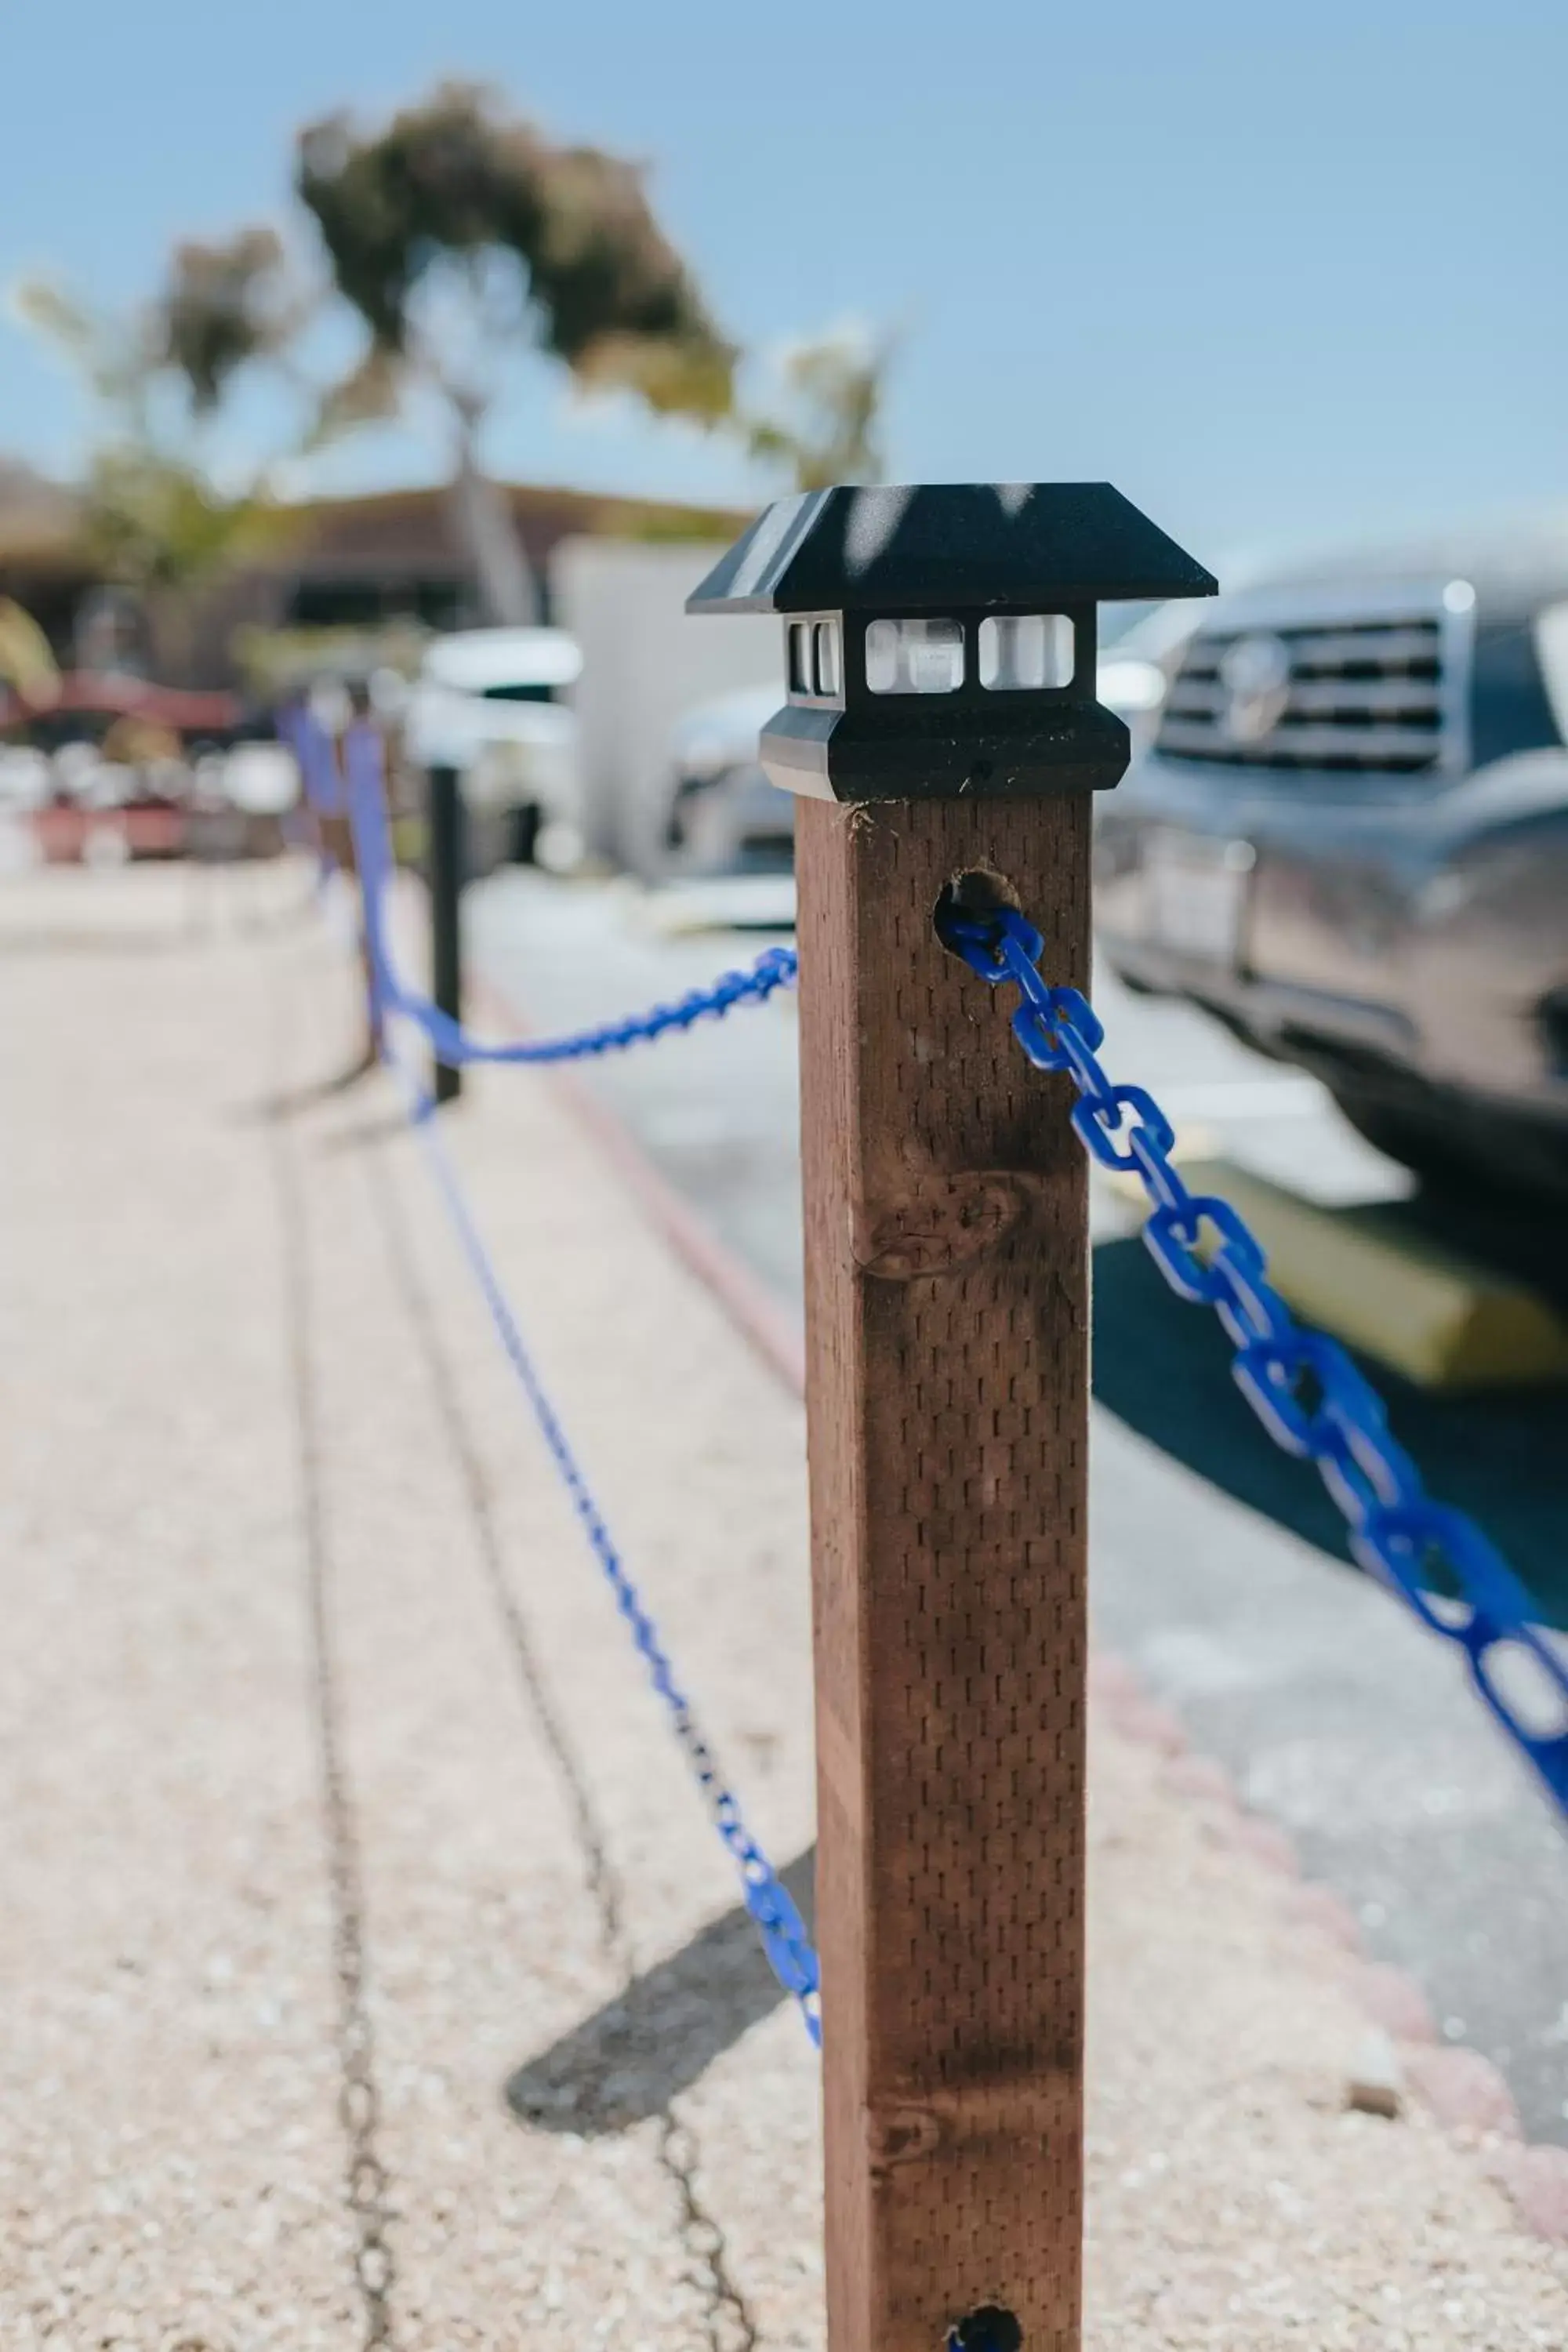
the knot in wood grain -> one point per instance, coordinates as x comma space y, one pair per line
940, 1221
900, 2136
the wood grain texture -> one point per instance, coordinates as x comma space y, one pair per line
947, 1375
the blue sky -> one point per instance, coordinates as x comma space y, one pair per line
1281, 273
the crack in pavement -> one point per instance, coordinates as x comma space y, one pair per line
359, 2106
729, 2324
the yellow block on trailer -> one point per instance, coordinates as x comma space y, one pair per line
1370, 1277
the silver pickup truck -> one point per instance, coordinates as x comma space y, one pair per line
1348, 839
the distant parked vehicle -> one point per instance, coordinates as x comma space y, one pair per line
26, 778
1349, 840
721, 815
1139, 649
488, 702
116, 775
257, 779
81, 700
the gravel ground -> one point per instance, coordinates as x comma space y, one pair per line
370, 1974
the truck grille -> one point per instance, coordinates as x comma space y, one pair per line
1367, 696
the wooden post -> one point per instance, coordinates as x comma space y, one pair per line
447, 848
947, 1347
942, 719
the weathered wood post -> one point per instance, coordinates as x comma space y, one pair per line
942, 727
447, 851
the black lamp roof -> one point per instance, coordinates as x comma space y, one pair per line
933, 548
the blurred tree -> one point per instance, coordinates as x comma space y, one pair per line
26, 659
151, 519
114, 357
459, 233
834, 391
224, 305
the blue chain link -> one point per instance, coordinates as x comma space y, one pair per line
449, 1041
1303, 1386
786, 1941
783, 1932
315, 757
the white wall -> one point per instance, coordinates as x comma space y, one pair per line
645, 663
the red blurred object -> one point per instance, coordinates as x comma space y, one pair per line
149, 825
115, 695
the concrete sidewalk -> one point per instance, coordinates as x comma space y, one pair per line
370, 1974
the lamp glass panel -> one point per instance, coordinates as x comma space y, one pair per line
914, 656
798, 640
829, 667
1025, 652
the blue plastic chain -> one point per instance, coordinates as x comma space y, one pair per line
1303, 1386
315, 757
785, 1941
363, 779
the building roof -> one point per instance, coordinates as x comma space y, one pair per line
362, 533
904, 547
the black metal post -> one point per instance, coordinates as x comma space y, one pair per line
444, 868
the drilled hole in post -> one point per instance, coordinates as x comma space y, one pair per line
989, 2330
981, 892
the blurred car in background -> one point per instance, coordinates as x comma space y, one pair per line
721, 815
27, 777
1348, 839
489, 703
1140, 646
106, 766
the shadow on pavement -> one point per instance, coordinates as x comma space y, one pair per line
295, 1101
1163, 1367
631, 2058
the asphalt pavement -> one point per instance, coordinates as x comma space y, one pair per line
1212, 1568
